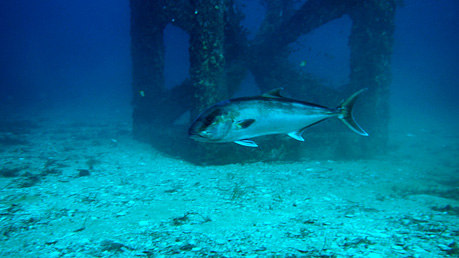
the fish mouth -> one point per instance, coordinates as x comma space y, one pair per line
195, 135
200, 136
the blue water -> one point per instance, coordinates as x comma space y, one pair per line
75, 184
53, 51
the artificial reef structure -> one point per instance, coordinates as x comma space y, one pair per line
221, 55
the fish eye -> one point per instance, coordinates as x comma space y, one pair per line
212, 118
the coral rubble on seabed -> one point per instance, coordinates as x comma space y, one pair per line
86, 189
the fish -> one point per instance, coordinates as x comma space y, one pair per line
239, 120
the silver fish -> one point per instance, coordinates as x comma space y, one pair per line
238, 120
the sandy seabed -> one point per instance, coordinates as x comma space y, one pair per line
80, 186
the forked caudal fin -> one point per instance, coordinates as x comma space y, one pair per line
345, 113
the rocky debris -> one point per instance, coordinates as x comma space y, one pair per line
78, 197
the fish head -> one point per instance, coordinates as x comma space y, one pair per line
213, 125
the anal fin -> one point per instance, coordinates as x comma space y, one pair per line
247, 143
297, 135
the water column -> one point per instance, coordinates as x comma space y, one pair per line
147, 50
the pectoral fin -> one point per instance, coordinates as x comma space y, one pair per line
247, 143
244, 123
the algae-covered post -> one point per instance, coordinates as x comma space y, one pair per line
207, 60
270, 65
371, 43
221, 54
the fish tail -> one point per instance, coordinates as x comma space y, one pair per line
345, 113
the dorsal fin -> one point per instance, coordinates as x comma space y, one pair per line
273, 93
